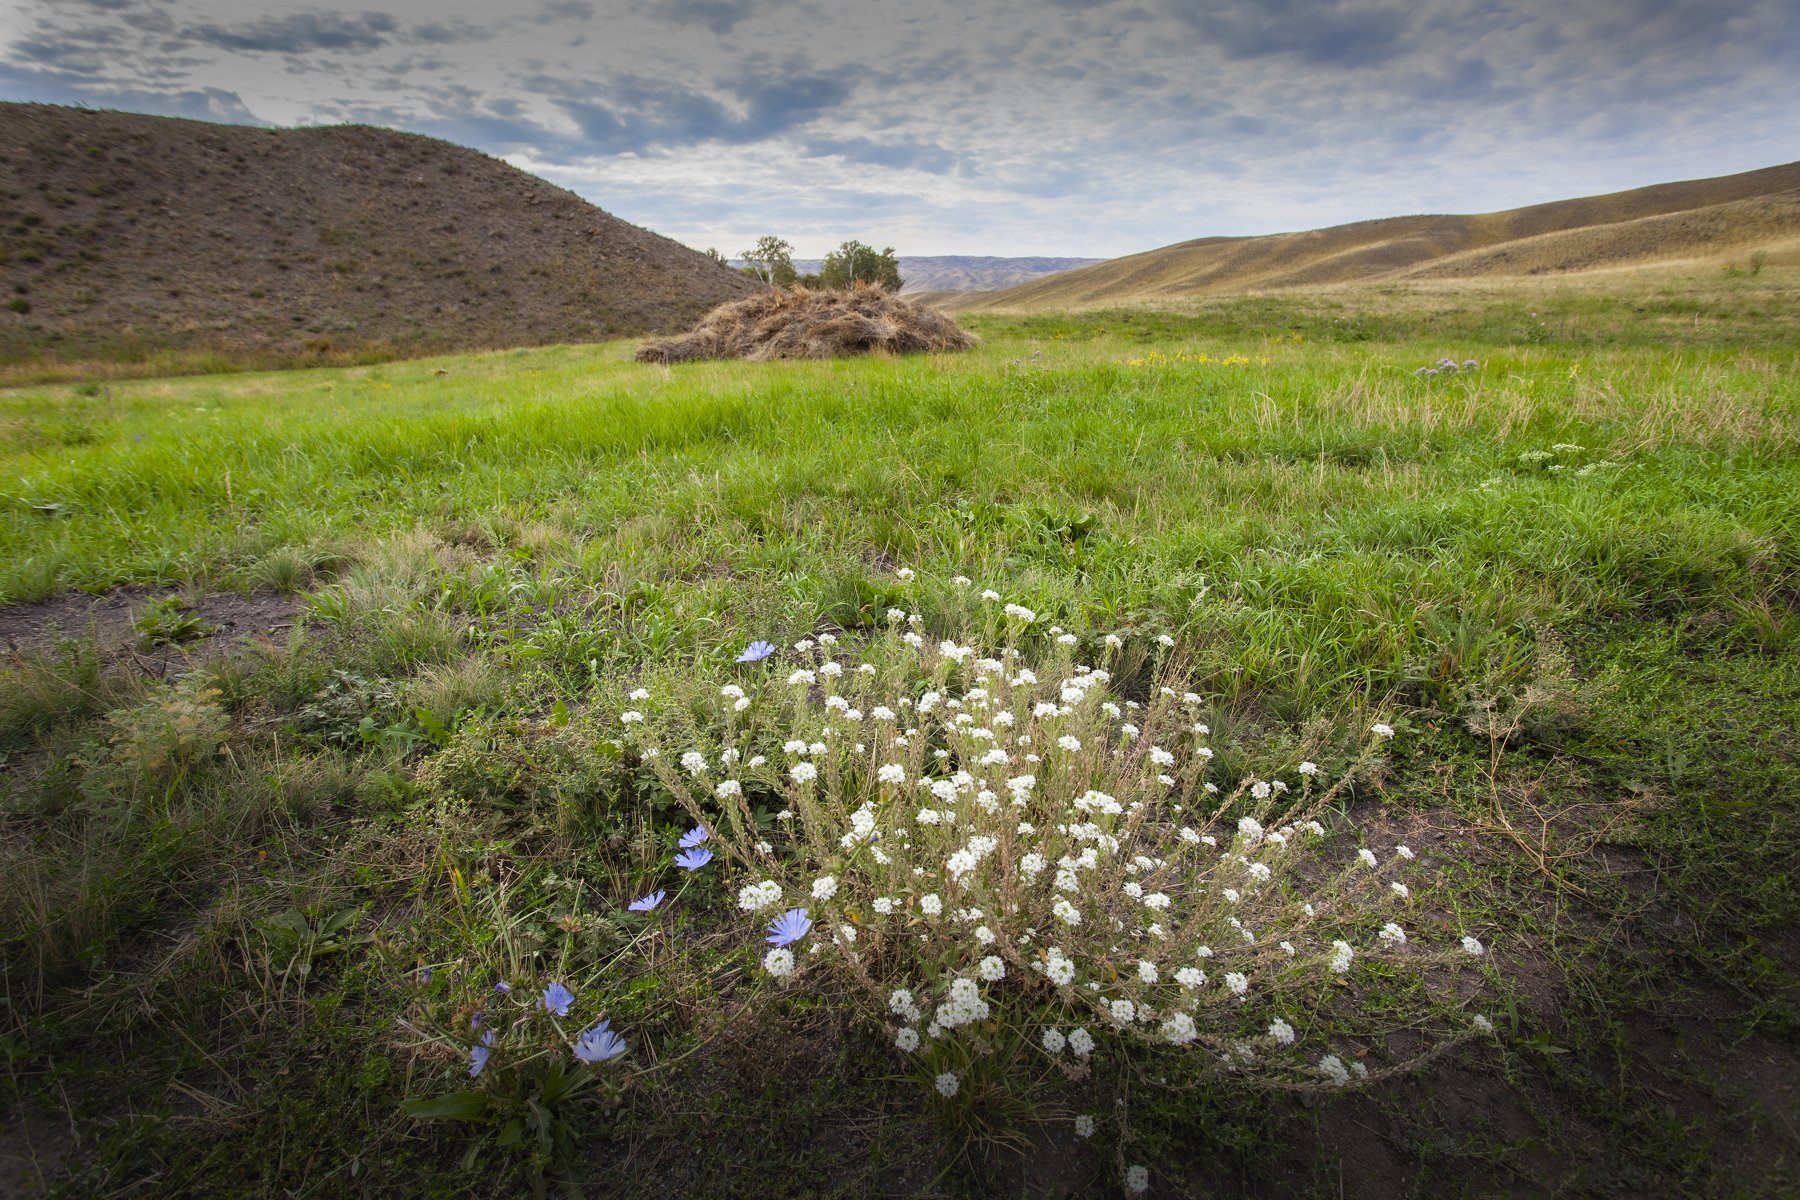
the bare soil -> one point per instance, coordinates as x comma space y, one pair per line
109, 619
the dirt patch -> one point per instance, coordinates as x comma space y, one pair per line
803, 323
108, 619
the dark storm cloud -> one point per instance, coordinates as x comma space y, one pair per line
299, 33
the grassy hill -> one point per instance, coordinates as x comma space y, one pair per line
1731, 217
125, 236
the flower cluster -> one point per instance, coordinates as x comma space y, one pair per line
984, 843
1447, 366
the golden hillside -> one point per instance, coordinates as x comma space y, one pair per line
1730, 216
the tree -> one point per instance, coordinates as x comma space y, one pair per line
771, 260
713, 253
853, 263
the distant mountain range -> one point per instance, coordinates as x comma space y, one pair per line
1732, 217
123, 235
963, 272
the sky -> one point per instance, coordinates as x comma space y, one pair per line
1003, 127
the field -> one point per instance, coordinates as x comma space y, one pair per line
312, 705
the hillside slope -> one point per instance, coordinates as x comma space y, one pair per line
123, 234
1732, 214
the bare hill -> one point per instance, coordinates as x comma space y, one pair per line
1730, 215
122, 234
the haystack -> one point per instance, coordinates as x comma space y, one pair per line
802, 323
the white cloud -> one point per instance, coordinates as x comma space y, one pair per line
1009, 127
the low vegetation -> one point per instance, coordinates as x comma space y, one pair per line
474, 880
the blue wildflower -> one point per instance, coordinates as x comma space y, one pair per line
756, 652
503, 987
478, 1054
424, 976
599, 1044
694, 837
693, 860
557, 999
646, 903
789, 927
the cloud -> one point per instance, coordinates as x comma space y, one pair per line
904, 155
204, 104
1041, 126
299, 33
720, 16
1337, 33
636, 114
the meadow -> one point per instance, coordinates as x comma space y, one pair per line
248, 877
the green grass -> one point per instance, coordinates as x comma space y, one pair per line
487, 544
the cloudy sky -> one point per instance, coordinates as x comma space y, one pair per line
1066, 127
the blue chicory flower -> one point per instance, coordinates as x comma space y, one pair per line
599, 1044
646, 903
789, 927
693, 860
756, 652
478, 1054
557, 999
693, 837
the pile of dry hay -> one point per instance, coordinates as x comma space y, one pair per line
812, 324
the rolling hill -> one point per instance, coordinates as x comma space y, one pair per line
1733, 215
122, 235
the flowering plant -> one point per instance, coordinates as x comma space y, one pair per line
1001, 853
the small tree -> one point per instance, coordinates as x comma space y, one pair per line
712, 252
772, 260
853, 263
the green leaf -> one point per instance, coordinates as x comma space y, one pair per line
458, 1106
